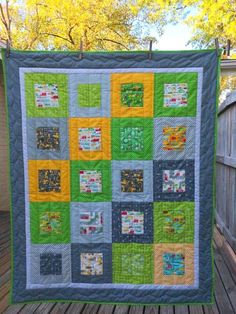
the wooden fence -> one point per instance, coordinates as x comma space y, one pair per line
226, 169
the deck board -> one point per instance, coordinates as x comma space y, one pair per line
211, 309
225, 289
106, 309
151, 310
165, 309
226, 278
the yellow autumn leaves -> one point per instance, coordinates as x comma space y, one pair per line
114, 25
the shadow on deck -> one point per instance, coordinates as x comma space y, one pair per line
225, 286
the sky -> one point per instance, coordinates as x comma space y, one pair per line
175, 37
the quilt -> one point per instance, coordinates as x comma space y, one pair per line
112, 175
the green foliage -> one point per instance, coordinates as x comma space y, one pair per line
112, 25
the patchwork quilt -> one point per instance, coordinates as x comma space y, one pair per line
112, 167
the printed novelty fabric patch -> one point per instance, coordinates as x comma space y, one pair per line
112, 176
46, 95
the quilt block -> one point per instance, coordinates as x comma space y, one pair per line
112, 166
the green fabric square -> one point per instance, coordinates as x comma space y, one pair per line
99, 190
132, 138
132, 95
132, 263
50, 222
175, 94
89, 95
46, 95
173, 222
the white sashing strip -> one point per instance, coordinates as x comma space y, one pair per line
25, 158
22, 71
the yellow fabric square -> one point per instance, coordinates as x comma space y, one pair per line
62, 194
143, 81
186, 250
78, 150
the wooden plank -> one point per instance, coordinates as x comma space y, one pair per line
136, 309
5, 277
151, 309
220, 148
5, 244
228, 132
42, 308
233, 135
75, 308
4, 289
60, 308
222, 299
121, 309
226, 231
91, 308
4, 234
227, 170
211, 309
4, 267
106, 309
228, 282
195, 309
30, 308
232, 204
229, 102
5, 249
5, 230
14, 309
166, 309
226, 251
181, 309
221, 190
4, 302
5, 239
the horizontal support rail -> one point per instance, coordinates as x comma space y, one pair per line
226, 160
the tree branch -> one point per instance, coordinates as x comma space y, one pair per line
70, 35
3, 19
113, 41
58, 36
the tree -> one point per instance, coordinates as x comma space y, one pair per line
208, 19
61, 24
6, 21
112, 25
213, 19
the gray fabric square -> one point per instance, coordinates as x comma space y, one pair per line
86, 226
50, 264
159, 167
50, 250
146, 195
187, 152
90, 273
145, 209
91, 78
36, 153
